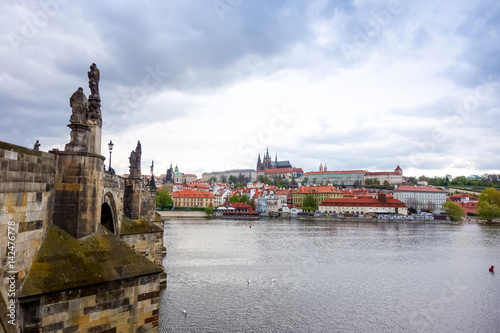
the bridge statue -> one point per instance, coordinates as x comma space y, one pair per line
79, 107
94, 77
135, 161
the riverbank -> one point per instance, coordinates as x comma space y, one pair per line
173, 214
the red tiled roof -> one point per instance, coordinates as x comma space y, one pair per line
363, 202
398, 168
415, 188
284, 170
344, 171
318, 189
240, 205
381, 173
192, 194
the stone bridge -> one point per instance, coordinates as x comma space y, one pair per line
78, 249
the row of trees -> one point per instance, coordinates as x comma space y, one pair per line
484, 181
488, 206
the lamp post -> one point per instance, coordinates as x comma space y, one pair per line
110, 146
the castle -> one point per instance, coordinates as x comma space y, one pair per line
267, 163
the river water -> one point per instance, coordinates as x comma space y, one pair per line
318, 276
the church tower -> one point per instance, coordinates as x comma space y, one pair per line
267, 161
259, 164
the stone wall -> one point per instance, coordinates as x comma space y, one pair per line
26, 199
129, 305
148, 244
148, 204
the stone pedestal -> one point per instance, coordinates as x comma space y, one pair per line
95, 140
94, 120
132, 198
78, 193
79, 138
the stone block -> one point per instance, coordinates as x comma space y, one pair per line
10, 155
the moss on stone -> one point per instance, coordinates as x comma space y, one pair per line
64, 262
132, 227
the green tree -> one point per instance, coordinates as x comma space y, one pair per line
213, 179
223, 179
310, 202
454, 211
232, 179
209, 211
489, 204
234, 198
244, 198
460, 180
488, 211
163, 199
491, 196
305, 180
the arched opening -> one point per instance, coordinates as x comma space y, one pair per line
107, 217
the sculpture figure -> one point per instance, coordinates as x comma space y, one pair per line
94, 77
79, 106
37, 145
135, 161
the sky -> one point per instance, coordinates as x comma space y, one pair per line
209, 84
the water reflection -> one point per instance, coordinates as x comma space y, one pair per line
344, 277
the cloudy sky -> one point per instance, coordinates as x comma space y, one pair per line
209, 84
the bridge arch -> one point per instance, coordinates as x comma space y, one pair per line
109, 214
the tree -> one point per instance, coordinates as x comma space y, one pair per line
488, 211
234, 198
213, 179
454, 211
163, 199
223, 179
460, 180
209, 211
232, 179
489, 204
244, 198
305, 180
491, 196
310, 202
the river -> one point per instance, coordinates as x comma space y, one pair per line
322, 276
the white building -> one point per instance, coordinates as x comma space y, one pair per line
390, 177
421, 197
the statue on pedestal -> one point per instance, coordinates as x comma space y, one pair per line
135, 161
94, 77
79, 107
37, 145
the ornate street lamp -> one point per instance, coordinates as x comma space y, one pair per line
110, 146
